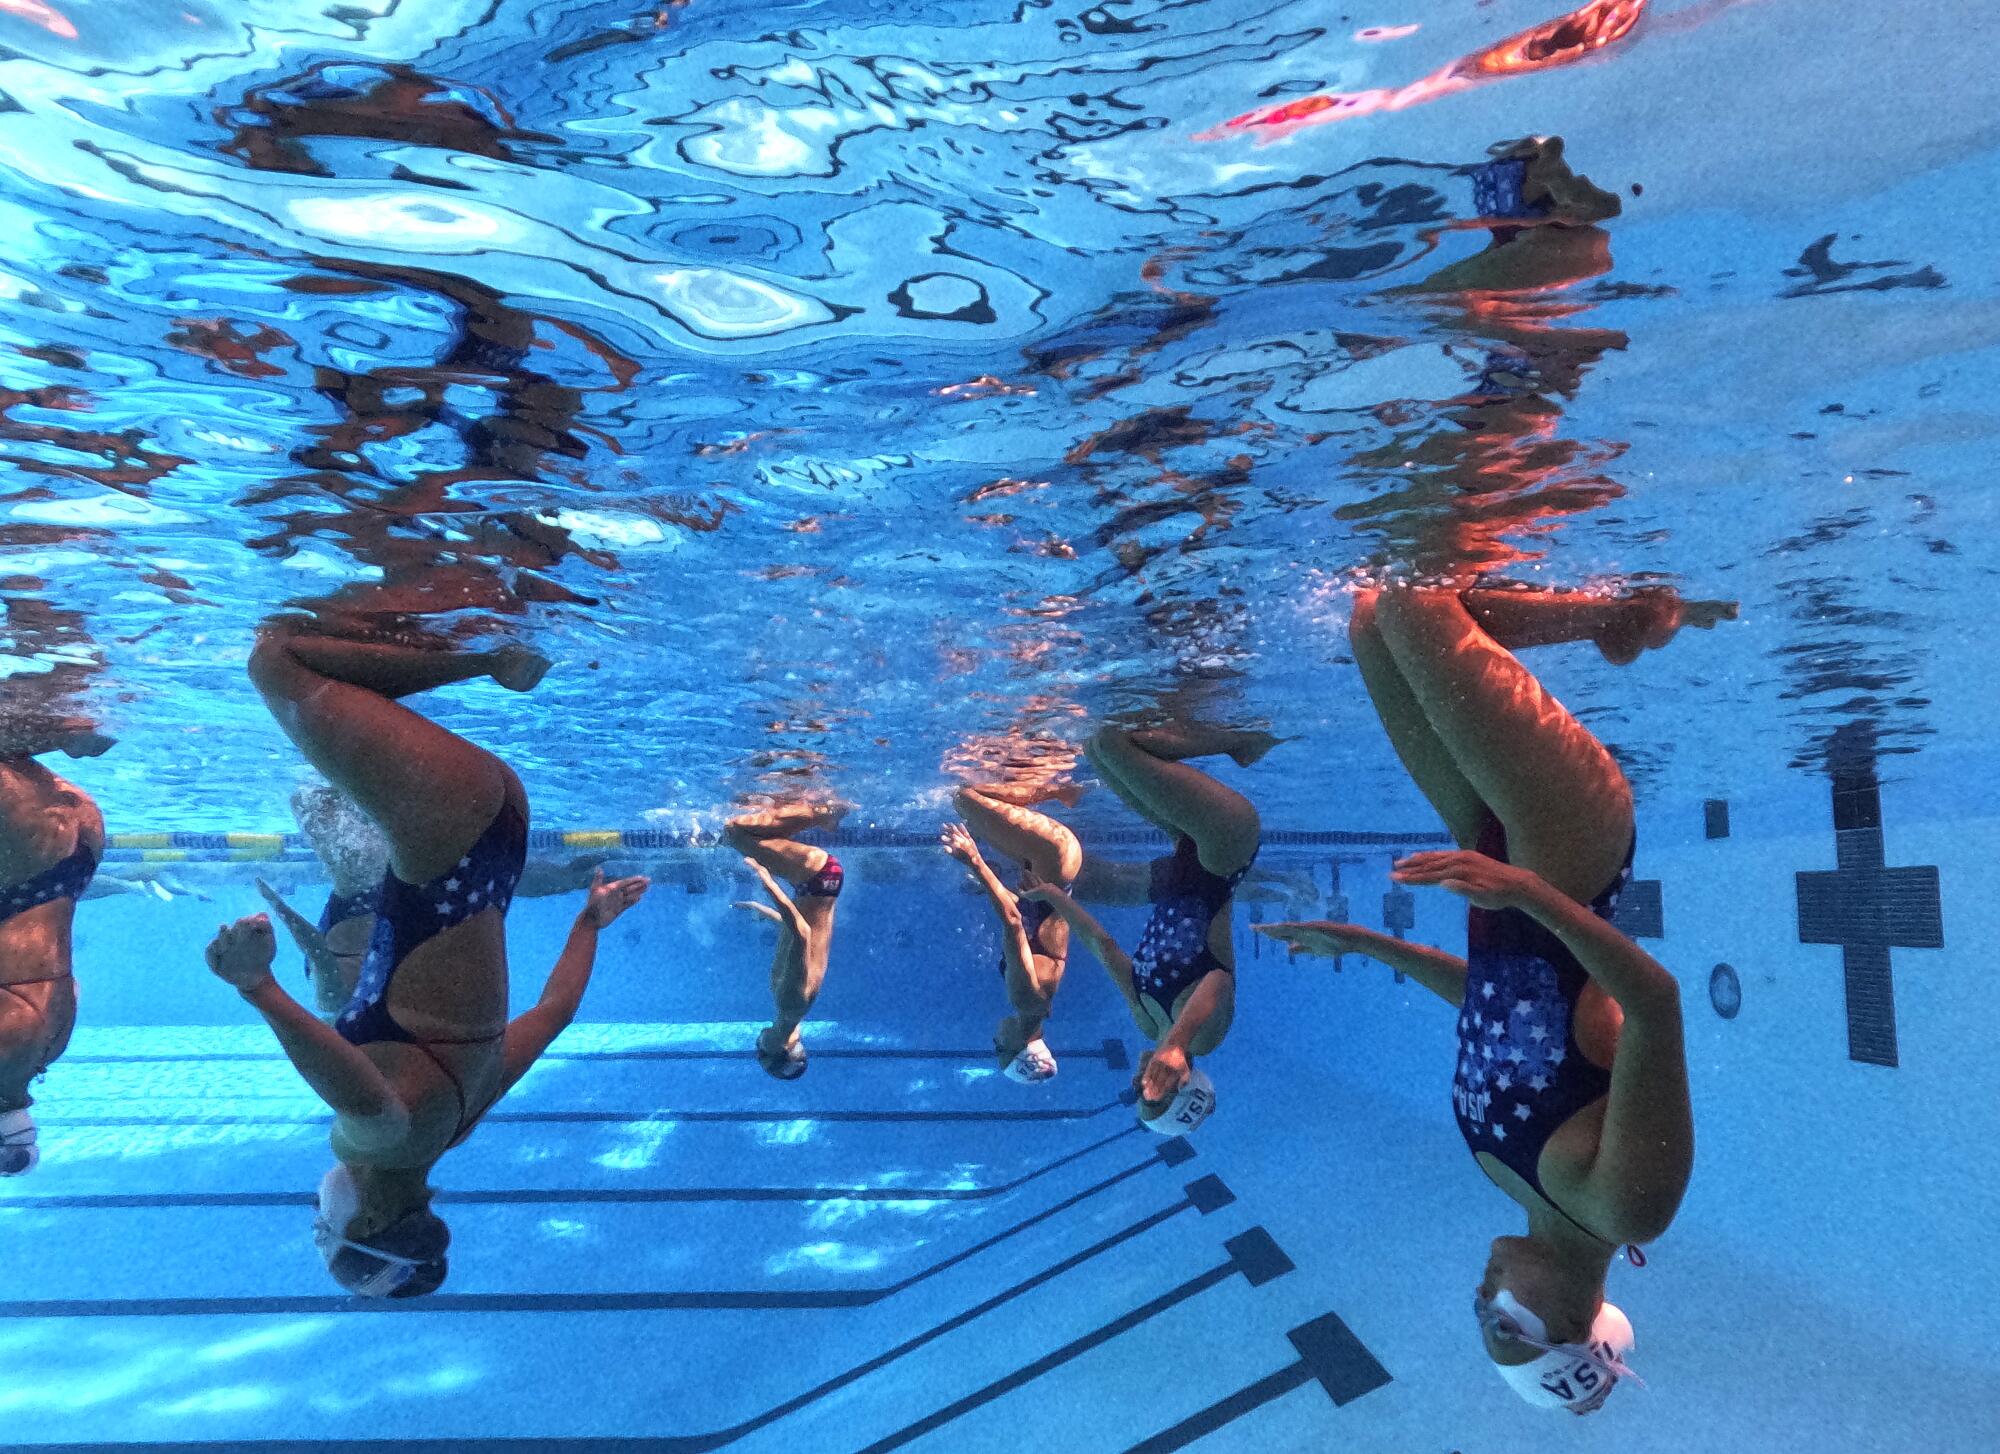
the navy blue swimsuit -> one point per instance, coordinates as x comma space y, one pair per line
1521, 1074
410, 915
342, 907
66, 880
1034, 914
1173, 950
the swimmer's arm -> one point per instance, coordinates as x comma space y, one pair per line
532, 1032
1637, 981
1105, 881
347, 1080
1441, 973
1645, 1151
1024, 991
1096, 938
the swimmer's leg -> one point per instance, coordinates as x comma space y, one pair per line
432, 792
36, 1022
1564, 802
1036, 839
1621, 627
1423, 753
1185, 800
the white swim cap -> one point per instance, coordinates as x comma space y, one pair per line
339, 1199
1194, 1104
1033, 1065
1574, 1376
406, 1259
18, 1151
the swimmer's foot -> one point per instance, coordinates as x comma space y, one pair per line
1651, 617
781, 820
1026, 795
87, 741
1181, 741
517, 668
1252, 746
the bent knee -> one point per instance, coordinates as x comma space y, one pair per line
1362, 622
1069, 856
1408, 602
1111, 742
273, 669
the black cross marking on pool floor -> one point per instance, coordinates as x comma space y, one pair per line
1864, 906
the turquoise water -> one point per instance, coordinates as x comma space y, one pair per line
864, 400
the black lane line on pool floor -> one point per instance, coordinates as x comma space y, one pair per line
124, 1201
1329, 1354
759, 1299
1111, 1052
1252, 1254
703, 1443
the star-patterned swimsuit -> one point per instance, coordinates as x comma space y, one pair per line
66, 880
342, 907
1173, 950
1521, 1074
410, 915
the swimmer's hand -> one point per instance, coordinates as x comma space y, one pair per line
608, 900
1033, 886
1162, 1073
1318, 936
1487, 882
241, 953
765, 909
958, 843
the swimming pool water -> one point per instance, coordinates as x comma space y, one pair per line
860, 398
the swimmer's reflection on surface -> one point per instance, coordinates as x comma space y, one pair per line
424, 1047
1571, 1087
1492, 465
801, 884
51, 839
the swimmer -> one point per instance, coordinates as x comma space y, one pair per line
1034, 940
355, 855
51, 839
1571, 1089
805, 924
1180, 983
424, 1048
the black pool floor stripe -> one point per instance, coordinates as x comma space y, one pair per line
748, 1300
672, 1444
1225, 1411
579, 1196
1329, 1354
1112, 1052
1077, 1347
